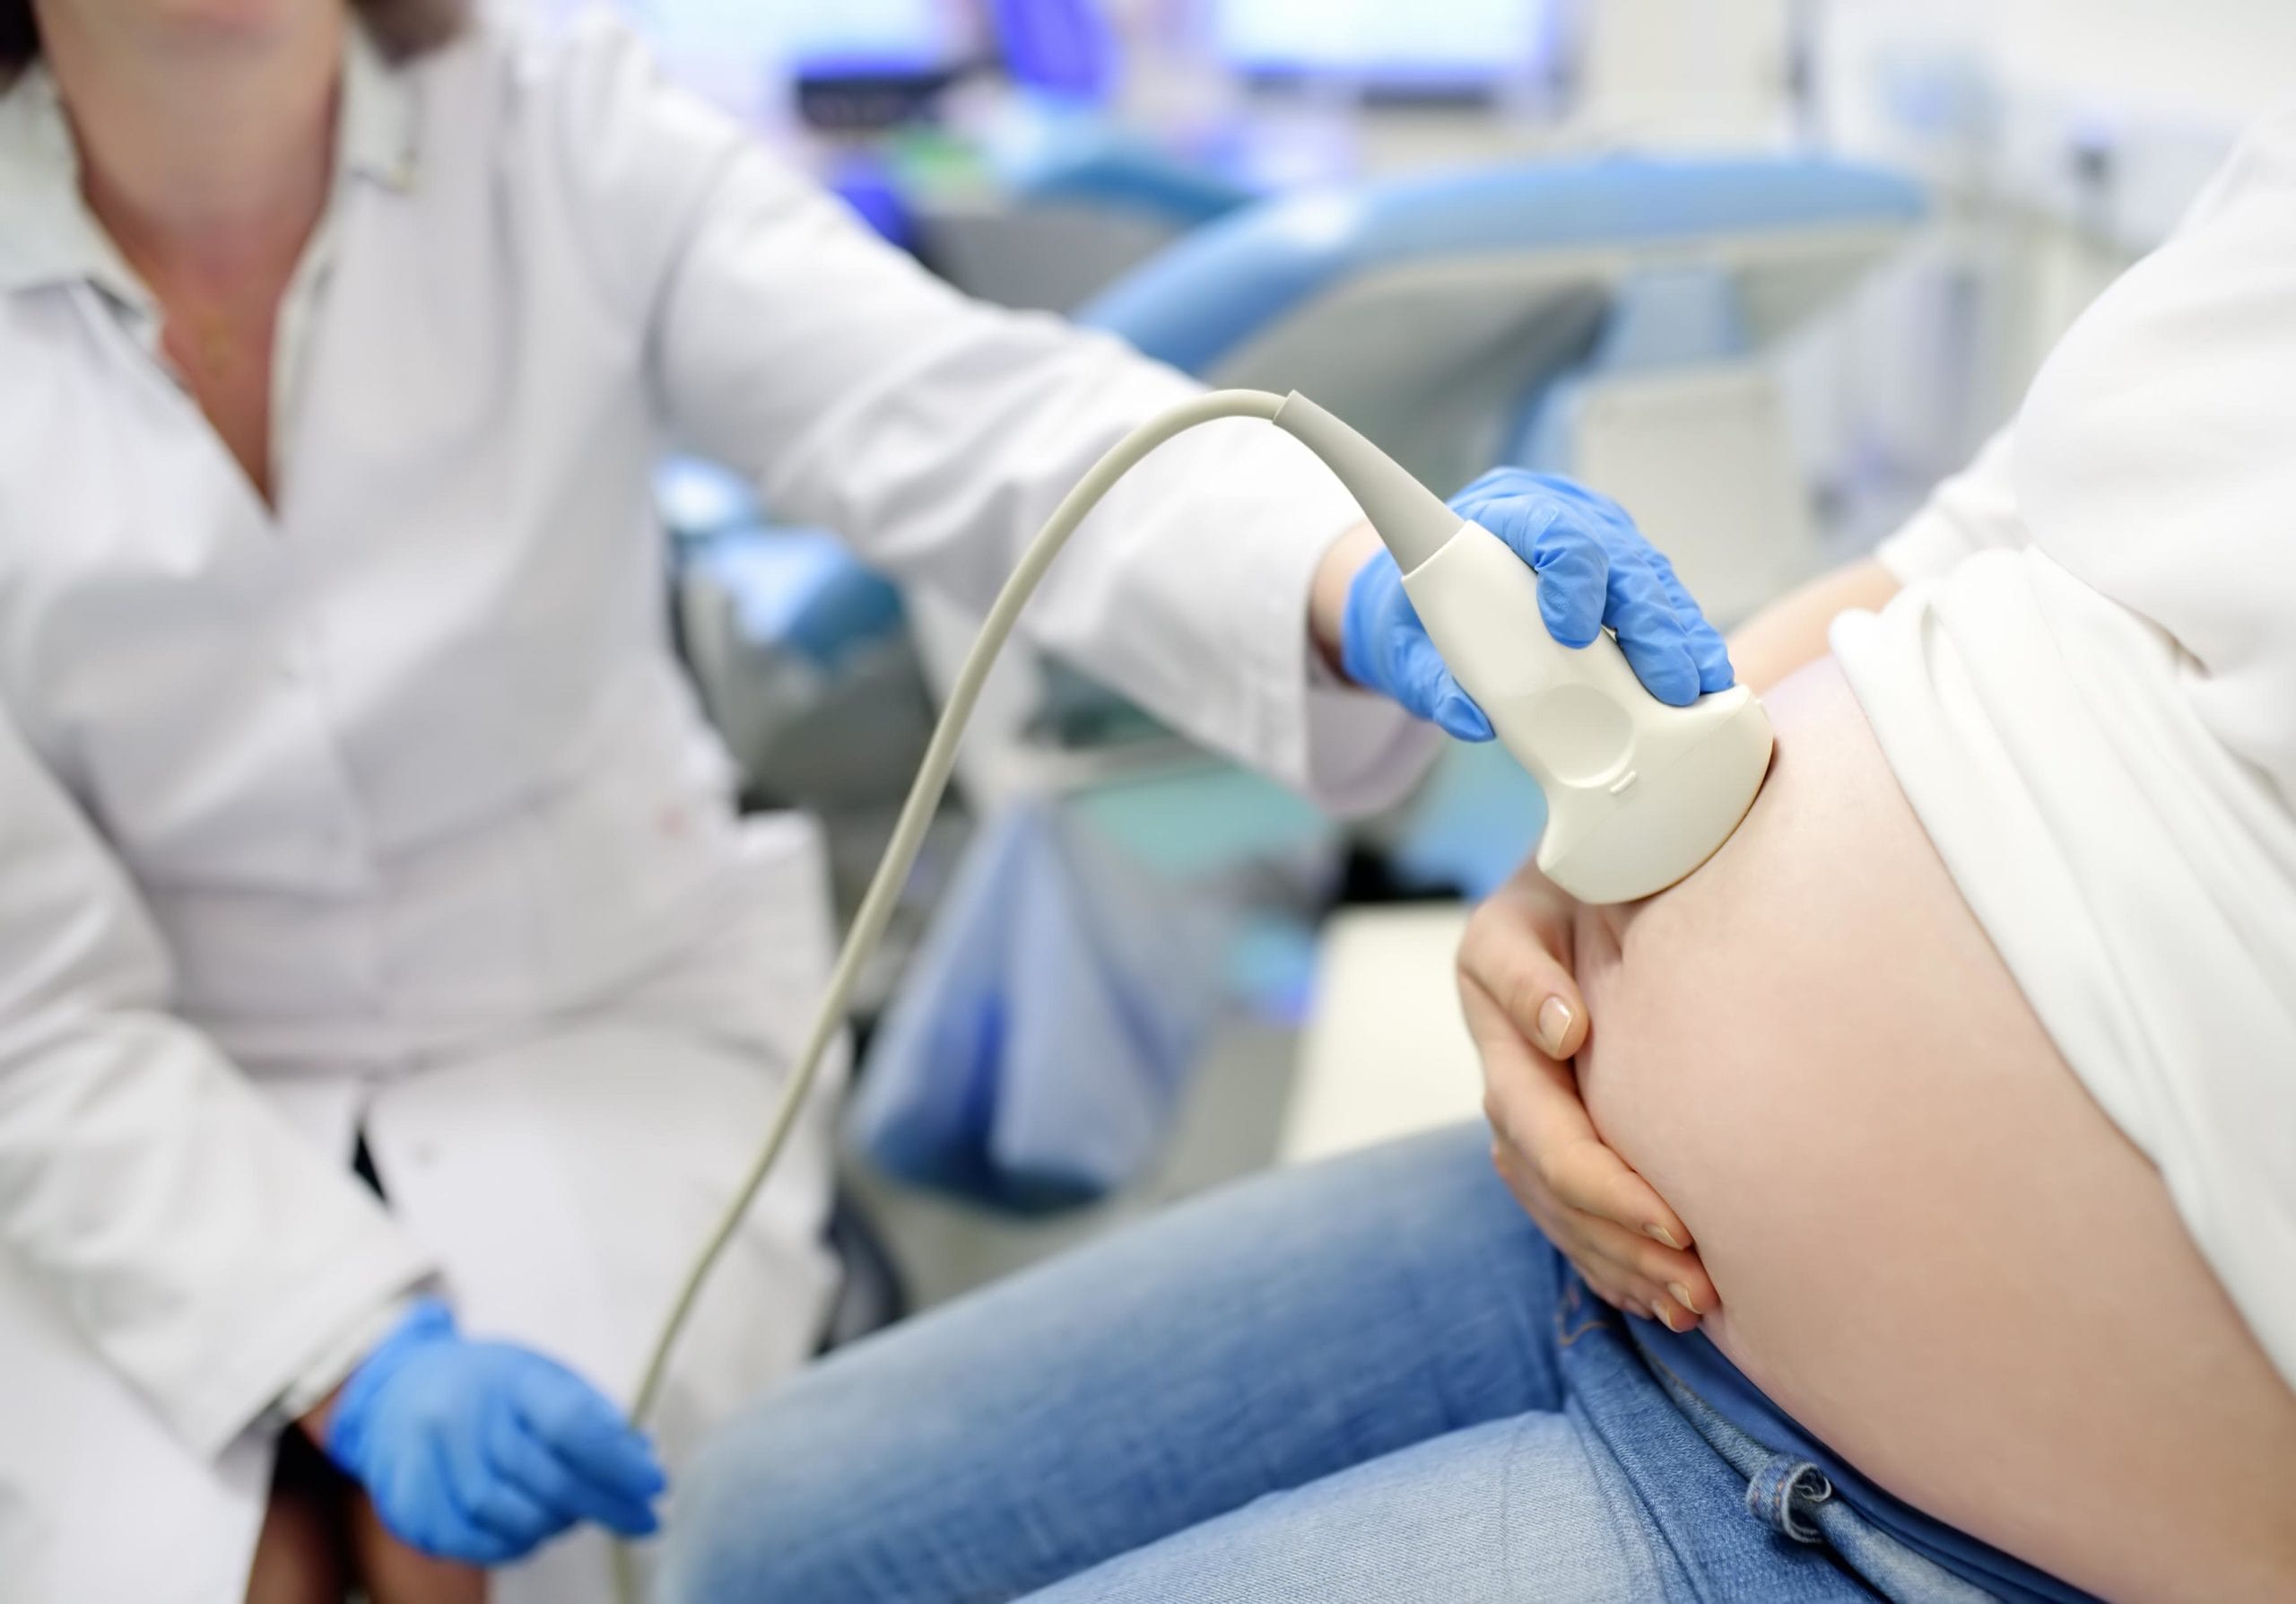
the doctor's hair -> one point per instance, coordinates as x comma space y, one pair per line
405, 29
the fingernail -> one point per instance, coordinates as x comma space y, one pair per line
1554, 1025
1462, 719
1664, 1313
1681, 1297
1660, 1234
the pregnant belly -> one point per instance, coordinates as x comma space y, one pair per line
1932, 1246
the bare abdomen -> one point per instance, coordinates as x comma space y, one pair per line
1932, 1248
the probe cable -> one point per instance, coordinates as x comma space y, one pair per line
901, 856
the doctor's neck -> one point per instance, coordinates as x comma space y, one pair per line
206, 144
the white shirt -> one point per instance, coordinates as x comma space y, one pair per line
407, 766
2087, 690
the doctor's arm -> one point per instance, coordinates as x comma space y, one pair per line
213, 1257
937, 434
201, 1247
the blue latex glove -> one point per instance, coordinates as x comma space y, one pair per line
481, 1452
1595, 571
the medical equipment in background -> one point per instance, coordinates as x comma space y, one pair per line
854, 64
1612, 319
1221, 104
1641, 793
1046, 1027
1259, 98
1692, 73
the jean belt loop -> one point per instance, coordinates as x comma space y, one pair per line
1784, 1491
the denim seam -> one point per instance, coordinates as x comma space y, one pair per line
1507, 1509
1567, 1335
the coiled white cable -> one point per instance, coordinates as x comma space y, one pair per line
901, 856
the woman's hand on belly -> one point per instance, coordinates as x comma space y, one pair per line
1528, 1019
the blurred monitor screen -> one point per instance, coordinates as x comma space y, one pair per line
822, 38
1402, 44
866, 38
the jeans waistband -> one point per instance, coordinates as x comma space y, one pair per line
1795, 1498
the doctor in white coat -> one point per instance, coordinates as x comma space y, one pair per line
349, 796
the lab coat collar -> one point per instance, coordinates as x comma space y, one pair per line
46, 234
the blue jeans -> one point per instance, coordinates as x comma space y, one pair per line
1373, 1380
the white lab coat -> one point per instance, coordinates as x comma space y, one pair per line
389, 809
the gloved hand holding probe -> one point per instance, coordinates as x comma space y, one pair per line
1595, 571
